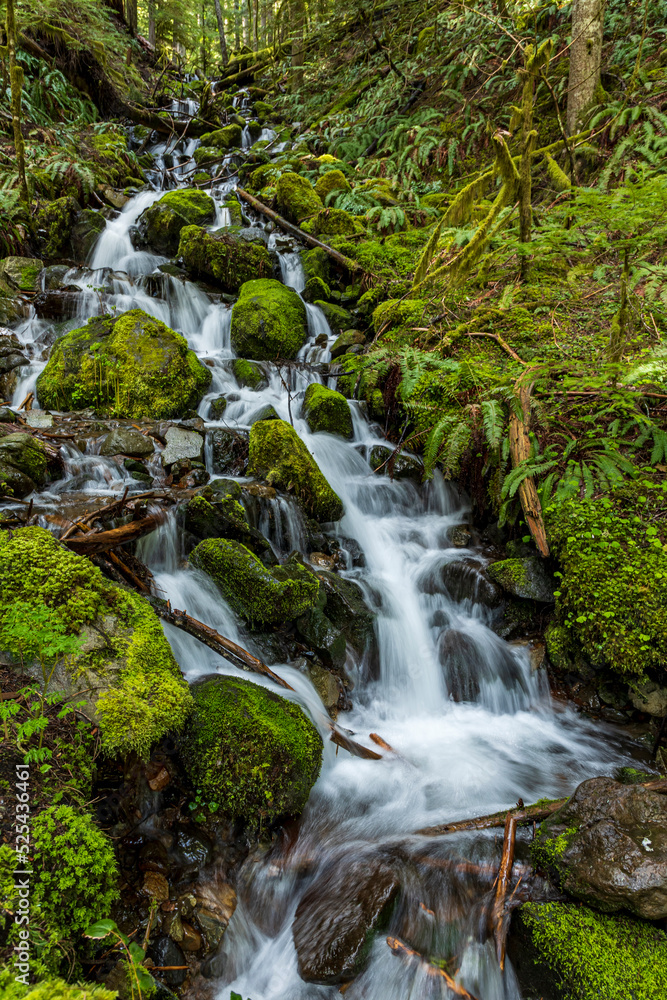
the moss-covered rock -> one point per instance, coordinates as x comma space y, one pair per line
263, 176
54, 223
333, 222
566, 952
339, 319
263, 111
219, 515
128, 366
125, 670
228, 137
84, 234
399, 314
278, 455
346, 340
327, 410
205, 155
332, 180
21, 273
250, 751
249, 374
317, 264
233, 206
24, 454
226, 257
524, 577
261, 596
268, 321
297, 199
159, 226
315, 290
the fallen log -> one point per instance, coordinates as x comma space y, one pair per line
102, 541
520, 452
346, 262
500, 924
398, 947
356, 749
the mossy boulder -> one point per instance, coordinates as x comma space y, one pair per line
220, 515
127, 366
278, 455
317, 264
228, 137
249, 374
21, 273
296, 197
250, 751
205, 155
261, 596
339, 319
562, 951
327, 410
262, 176
525, 577
346, 340
262, 111
159, 226
225, 257
315, 290
54, 223
233, 206
333, 222
424, 39
125, 670
401, 315
84, 234
23, 464
268, 321
332, 180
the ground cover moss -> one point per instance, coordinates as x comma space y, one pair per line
126, 366
248, 751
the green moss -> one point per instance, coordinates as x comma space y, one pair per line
393, 258
316, 264
228, 137
248, 373
262, 111
339, 319
547, 852
262, 596
402, 315
316, 289
127, 366
25, 453
54, 989
333, 222
231, 202
268, 321
228, 259
591, 956
143, 695
263, 176
296, 197
559, 650
204, 155
54, 224
249, 751
160, 225
112, 162
278, 455
332, 180
613, 597
327, 410
424, 39
22, 272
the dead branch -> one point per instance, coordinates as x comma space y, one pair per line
520, 452
397, 947
356, 749
499, 340
101, 541
504, 877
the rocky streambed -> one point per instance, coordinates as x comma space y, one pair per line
182, 387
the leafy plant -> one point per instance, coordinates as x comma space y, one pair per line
140, 981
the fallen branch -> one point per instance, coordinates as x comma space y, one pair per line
397, 947
101, 541
356, 749
346, 262
499, 340
520, 452
504, 876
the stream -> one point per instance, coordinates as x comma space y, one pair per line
471, 722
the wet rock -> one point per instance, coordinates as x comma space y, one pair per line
469, 667
164, 951
650, 698
7, 416
400, 466
327, 410
336, 917
39, 419
13, 482
279, 456
191, 939
154, 372
268, 321
339, 319
22, 273
346, 340
182, 444
459, 536
214, 908
254, 753
160, 225
467, 580
525, 578
315, 290
296, 197
53, 277
261, 595
11, 359
345, 606
85, 232
126, 441
217, 408
158, 777
229, 451
249, 374
327, 685
192, 851
224, 138
26, 455
226, 258
58, 306
155, 886
216, 515
113, 197
264, 413
322, 636
608, 847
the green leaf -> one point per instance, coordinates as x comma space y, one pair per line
101, 929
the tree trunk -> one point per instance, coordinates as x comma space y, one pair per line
237, 24
16, 80
151, 22
297, 17
221, 31
585, 57
132, 17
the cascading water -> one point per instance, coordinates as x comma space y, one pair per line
471, 723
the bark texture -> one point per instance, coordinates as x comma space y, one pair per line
585, 57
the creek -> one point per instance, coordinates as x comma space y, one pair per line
473, 730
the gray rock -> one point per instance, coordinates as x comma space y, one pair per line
22, 272
229, 451
39, 418
125, 441
11, 359
608, 847
182, 444
650, 698
402, 466
525, 577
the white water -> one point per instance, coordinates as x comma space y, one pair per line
472, 733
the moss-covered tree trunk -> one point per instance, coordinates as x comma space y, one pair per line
151, 22
297, 17
224, 55
585, 57
16, 80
